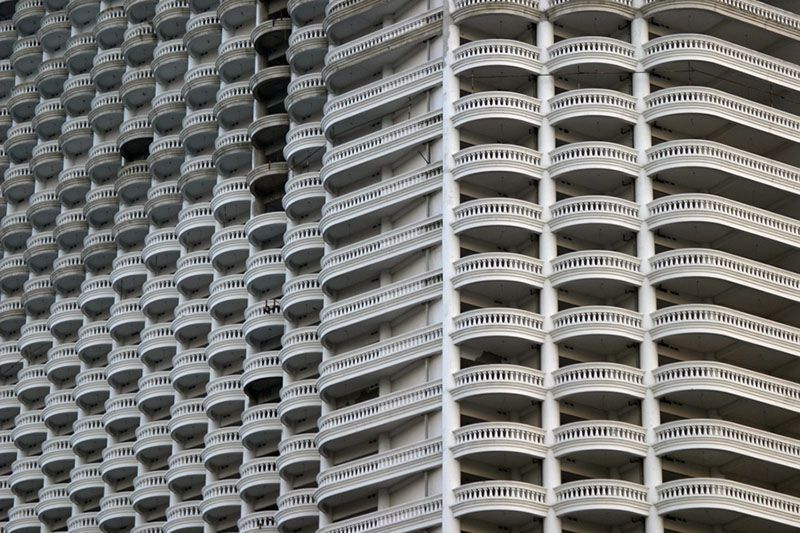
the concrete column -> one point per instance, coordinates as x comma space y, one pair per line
645, 249
548, 303
451, 306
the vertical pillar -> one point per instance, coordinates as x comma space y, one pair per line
548, 304
451, 306
645, 249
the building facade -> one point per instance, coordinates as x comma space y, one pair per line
400, 265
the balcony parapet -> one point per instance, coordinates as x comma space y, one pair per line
758, 14
580, 103
499, 379
338, 320
498, 322
726, 495
582, 210
503, 267
372, 414
593, 156
714, 319
491, 212
596, 264
591, 50
560, 8
598, 377
497, 105
496, 158
390, 465
497, 53
597, 320
493, 437
730, 379
340, 370
707, 101
605, 435
605, 494
414, 516
492, 496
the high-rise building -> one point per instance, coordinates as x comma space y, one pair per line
358, 266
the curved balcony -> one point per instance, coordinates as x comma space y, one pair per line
602, 323
261, 368
361, 57
260, 425
118, 463
130, 226
168, 112
722, 105
493, 271
163, 201
718, 435
26, 56
304, 144
231, 200
352, 316
159, 296
258, 480
153, 443
166, 156
761, 14
155, 393
40, 251
27, 16
586, 267
169, 20
24, 98
32, 384
59, 412
596, 164
12, 315
80, 12
306, 95
88, 436
39, 295
22, 519
67, 272
495, 59
190, 370
583, 51
160, 247
116, 512
79, 54
493, 328
65, 318
185, 471
350, 161
731, 497
188, 421
199, 130
302, 296
191, 321
170, 60
485, 163
48, 118
184, 518
698, 47
20, 142
132, 181
419, 514
96, 295
135, 137
355, 369
509, 503
46, 160
307, 47
236, 59
33, 341
297, 508
370, 473
17, 183
138, 43
54, 505
264, 271
303, 195
224, 396
694, 319
491, 438
220, 501
484, 112
498, 220
339, 428
76, 136
108, 66
297, 454
616, 440
263, 229
584, 103
227, 296
82, 523
127, 272
193, 273
728, 379
565, 8
106, 114
596, 211
85, 484
15, 231
586, 379
198, 177
99, 250
126, 319
226, 347
150, 491
203, 33
28, 433
104, 162
73, 184
234, 104
124, 367
269, 131
110, 25
200, 85
299, 401
612, 498
138, 86
94, 341
232, 151
269, 82
91, 389
506, 385
62, 361
673, 156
